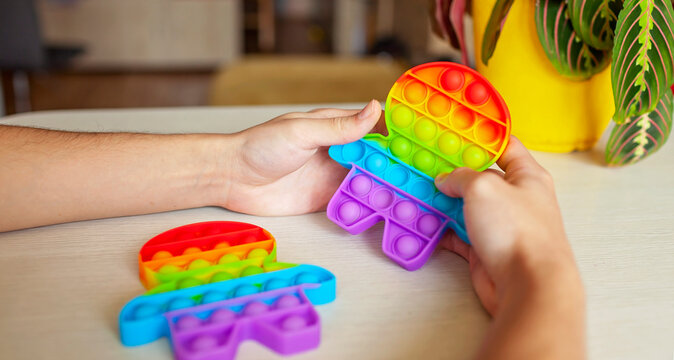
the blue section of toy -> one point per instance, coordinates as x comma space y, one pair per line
379, 161
141, 320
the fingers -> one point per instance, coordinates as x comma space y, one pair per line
483, 284
464, 180
380, 126
519, 166
514, 155
453, 243
330, 112
342, 128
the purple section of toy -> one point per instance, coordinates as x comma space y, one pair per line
412, 228
283, 320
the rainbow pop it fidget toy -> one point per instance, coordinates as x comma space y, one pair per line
439, 116
213, 285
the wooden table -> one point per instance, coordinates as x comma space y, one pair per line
62, 286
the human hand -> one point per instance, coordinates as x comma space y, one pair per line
282, 167
515, 227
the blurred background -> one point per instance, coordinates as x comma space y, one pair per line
76, 54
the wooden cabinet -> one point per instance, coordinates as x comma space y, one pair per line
146, 33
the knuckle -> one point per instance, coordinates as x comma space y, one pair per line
295, 129
544, 177
481, 185
341, 126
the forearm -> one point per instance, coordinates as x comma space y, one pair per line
542, 315
49, 177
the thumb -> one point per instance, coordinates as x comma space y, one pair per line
340, 129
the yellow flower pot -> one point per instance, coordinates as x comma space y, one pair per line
548, 111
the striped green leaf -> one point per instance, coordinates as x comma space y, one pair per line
594, 20
571, 56
494, 26
642, 135
642, 66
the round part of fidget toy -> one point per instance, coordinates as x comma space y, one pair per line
443, 115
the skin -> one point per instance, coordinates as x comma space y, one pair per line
521, 263
278, 168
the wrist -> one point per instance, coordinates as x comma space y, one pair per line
215, 160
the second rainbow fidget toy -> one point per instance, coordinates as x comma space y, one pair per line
439, 116
213, 285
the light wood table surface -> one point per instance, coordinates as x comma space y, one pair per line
62, 286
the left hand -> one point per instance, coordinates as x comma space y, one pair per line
282, 167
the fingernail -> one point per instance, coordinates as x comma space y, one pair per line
441, 178
366, 112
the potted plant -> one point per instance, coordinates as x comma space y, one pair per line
566, 67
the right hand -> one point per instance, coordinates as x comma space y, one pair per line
514, 225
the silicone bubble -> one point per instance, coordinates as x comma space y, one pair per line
361, 185
257, 253
428, 224
188, 322
213, 296
398, 175
440, 116
252, 270
477, 93
191, 250
204, 343
199, 264
287, 301
407, 246
221, 276
161, 255
415, 92
146, 310
274, 284
293, 323
349, 211
181, 303
222, 315
244, 290
439, 105
222, 245
255, 308
382, 198
169, 269
452, 80
306, 278
405, 210
401, 147
228, 259
402, 116
189, 282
